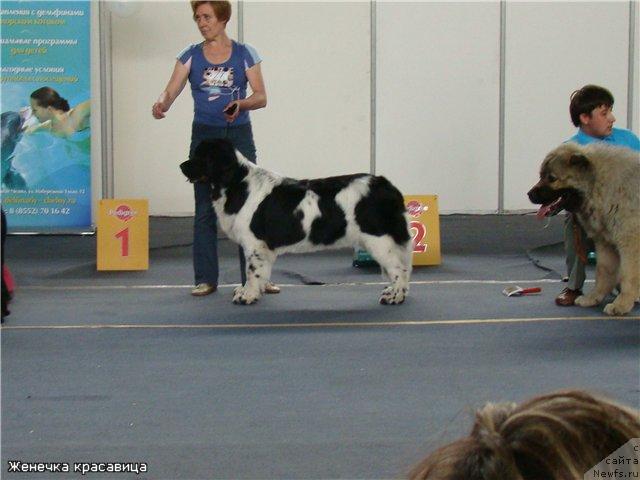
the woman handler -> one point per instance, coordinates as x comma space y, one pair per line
218, 70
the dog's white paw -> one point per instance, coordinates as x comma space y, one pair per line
393, 295
245, 296
586, 301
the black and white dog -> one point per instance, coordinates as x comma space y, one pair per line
268, 215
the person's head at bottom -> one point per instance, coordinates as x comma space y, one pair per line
558, 436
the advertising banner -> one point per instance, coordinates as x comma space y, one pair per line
45, 105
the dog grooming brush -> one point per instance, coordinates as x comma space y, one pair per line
519, 291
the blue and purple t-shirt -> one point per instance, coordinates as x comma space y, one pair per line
213, 86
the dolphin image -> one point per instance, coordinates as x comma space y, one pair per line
11, 132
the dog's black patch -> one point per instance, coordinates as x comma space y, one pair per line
331, 225
381, 211
274, 221
237, 195
278, 224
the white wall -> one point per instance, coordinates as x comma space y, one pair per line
437, 94
146, 151
316, 69
437, 101
553, 49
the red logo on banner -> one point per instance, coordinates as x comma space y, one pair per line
124, 213
415, 208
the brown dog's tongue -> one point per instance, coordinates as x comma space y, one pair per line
543, 211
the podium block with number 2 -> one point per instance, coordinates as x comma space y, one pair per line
424, 225
123, 234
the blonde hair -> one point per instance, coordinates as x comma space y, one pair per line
558, 436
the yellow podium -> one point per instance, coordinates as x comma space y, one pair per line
123, 234
424, 224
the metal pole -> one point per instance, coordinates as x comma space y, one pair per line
633, 61
240, 21
106, 101
503, 35
373, 53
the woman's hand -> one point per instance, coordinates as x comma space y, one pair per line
231, 111
176, 83
158, 110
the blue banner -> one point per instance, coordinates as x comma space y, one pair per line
46, 112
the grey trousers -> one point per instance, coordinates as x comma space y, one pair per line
575, 268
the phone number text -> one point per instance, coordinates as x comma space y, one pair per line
38, 211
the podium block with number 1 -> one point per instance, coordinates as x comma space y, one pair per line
123, 234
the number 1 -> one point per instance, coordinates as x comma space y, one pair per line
123, 235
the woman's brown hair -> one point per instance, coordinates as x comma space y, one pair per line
48, 97
221, 9
558, 436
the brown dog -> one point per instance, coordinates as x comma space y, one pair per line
601, 185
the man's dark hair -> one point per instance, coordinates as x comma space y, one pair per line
586, 99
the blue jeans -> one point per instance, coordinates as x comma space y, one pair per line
205, 238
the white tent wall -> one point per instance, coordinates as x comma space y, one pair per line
316, 65
437, 100
553, 49
435, 106
146, 151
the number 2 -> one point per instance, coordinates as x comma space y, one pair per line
420, 233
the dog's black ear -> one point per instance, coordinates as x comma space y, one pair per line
195, 169
218, 160
188, 169
579, 161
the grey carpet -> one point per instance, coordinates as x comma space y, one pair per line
317, 382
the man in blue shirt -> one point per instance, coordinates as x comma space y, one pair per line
591, 111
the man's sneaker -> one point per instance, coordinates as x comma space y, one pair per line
203, 289
567, 297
